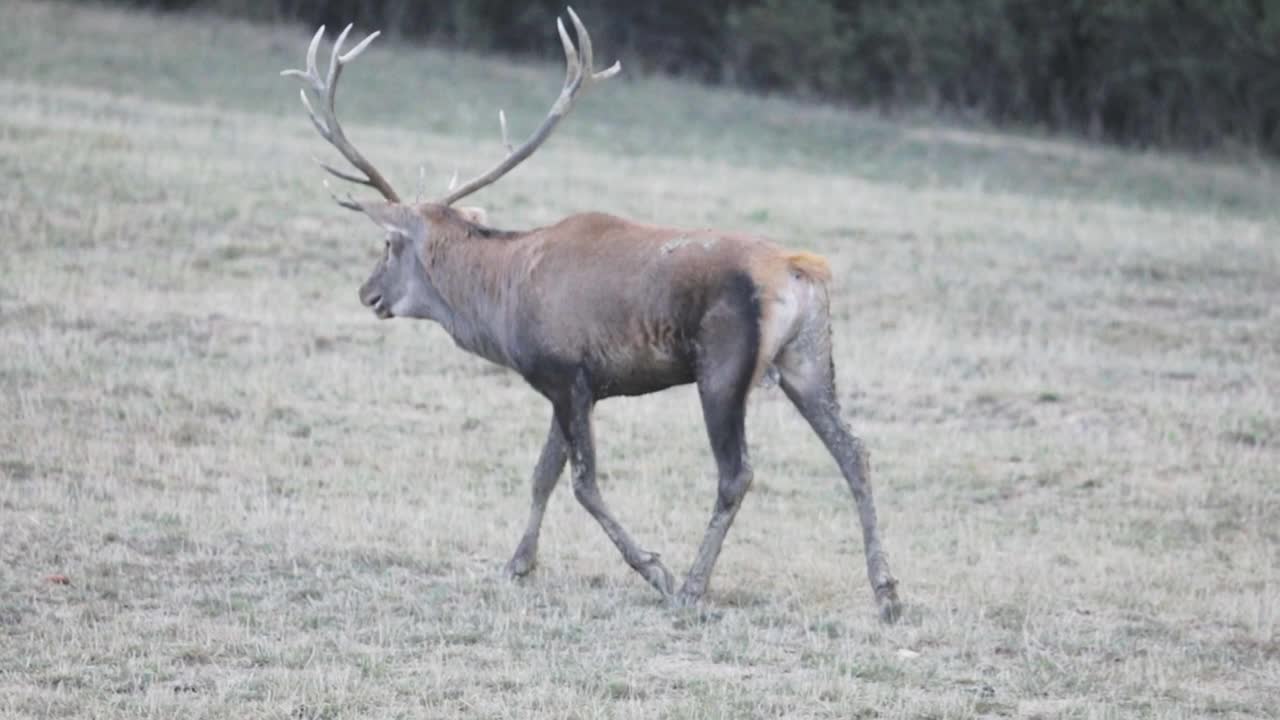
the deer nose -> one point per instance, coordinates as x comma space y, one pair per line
369, 298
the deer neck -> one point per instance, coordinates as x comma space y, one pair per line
473, 279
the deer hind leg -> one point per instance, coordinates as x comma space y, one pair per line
725, 415
545, 476
730, 343
574, 416
808, 379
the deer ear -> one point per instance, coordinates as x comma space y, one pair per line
474, 214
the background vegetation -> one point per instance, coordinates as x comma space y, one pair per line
1192, 73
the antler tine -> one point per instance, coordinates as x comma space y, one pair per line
309, 73
349, 203
311, 55
579, 73
572, 66
608, 72
356, 51
340, 174
584, 41
325, 119
588, 60
335, 62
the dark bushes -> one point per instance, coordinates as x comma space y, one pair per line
1191, 73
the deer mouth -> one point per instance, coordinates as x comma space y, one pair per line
376, 302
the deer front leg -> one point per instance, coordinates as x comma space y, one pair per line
545, 477
574, 416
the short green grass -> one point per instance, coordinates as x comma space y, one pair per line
226, 490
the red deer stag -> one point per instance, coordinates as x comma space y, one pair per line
596, 306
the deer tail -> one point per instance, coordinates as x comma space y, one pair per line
814, 267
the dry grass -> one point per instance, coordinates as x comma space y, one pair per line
268, 504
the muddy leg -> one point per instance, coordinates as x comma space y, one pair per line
811, 388
574, 416
545, 476
724, 409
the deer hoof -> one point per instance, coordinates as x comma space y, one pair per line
524, 559
519, 566
687, 598
658, 576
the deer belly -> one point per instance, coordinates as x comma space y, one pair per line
637, 369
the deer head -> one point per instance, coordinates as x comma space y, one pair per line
400, 285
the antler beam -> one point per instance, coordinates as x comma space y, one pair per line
326, 119
579, 74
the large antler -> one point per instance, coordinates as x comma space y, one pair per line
579, 73
327, 121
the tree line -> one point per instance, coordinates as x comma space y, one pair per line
1185, 73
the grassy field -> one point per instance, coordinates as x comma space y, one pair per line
227, 490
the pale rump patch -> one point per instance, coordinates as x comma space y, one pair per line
804, 358
791, 291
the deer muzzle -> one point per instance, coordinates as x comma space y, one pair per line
372, 298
